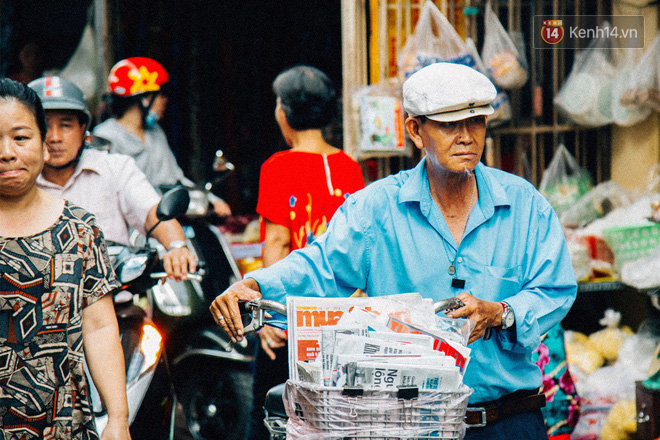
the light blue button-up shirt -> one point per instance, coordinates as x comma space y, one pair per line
392, 238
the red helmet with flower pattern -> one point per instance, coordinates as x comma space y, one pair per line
136, 75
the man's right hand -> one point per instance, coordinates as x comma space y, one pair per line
225, 309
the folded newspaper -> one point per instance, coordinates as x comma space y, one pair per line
376, 342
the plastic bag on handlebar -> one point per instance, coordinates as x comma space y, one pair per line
456, 330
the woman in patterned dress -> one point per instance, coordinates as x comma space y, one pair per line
54, 279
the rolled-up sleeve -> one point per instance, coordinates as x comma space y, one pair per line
136, 196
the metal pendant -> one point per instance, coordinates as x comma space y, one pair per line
452, 269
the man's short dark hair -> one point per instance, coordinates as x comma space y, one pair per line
307, 97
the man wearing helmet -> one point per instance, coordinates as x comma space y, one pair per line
110, 186
137, 103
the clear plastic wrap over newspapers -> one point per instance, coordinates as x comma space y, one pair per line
375, 368
330, 413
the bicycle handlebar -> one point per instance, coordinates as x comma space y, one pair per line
258, 307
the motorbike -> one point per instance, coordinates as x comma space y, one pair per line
151, 398
211, 376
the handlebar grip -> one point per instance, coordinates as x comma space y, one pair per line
162, 275
448, 304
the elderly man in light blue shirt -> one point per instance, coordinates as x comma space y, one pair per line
449, 227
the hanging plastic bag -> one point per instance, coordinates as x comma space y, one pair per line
564, 181
597, 203
501, 104
81, 68
433, 40
504, 64
643, 89
586, 96
381, 119
630, 113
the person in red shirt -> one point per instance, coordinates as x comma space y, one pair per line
299, 191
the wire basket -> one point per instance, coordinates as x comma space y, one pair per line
333, 413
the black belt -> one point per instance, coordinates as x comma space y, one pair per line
480, 414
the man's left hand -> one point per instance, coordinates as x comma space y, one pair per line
178, 263
221, 208
484, 313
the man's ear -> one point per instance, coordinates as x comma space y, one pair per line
412, 127
46, 152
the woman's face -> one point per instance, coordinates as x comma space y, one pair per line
22, 150
159, 105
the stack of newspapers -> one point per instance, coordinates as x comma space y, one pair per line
378, 342
375, 367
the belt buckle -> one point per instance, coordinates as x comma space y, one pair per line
483, 417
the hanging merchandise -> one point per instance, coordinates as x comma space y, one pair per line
501, 104
629, 113
564, 181
381, 119
434, 40
586, 96
81, 68
643, 88
505, 65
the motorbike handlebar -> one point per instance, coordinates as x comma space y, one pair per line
191, 276
258, 307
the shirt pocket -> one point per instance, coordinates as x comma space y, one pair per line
502, 282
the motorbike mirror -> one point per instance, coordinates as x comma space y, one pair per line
220, 164
173, 204
97, 142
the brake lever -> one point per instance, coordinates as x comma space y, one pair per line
250, 310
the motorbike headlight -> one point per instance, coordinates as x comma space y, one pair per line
150, 346
131, 268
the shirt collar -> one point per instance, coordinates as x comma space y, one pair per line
86, 163
491, 191
417, 182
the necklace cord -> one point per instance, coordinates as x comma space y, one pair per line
452, 266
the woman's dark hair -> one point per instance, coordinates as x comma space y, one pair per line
307, 97
10, 89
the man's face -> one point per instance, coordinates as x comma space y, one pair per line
64, 137
452, 146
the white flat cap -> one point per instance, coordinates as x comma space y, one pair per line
448, 92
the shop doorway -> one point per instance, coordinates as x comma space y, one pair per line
223, 57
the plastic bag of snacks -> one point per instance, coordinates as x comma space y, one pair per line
597, 203
501, 104
628, 112
381, 119
504, 64
643, 89
564, 181
586, 96
433, 40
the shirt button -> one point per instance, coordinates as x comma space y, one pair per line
459, 259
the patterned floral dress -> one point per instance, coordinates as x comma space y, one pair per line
46, 280
562, 409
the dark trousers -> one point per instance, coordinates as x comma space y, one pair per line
524, 426
267, 374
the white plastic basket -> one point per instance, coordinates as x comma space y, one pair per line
333, 413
